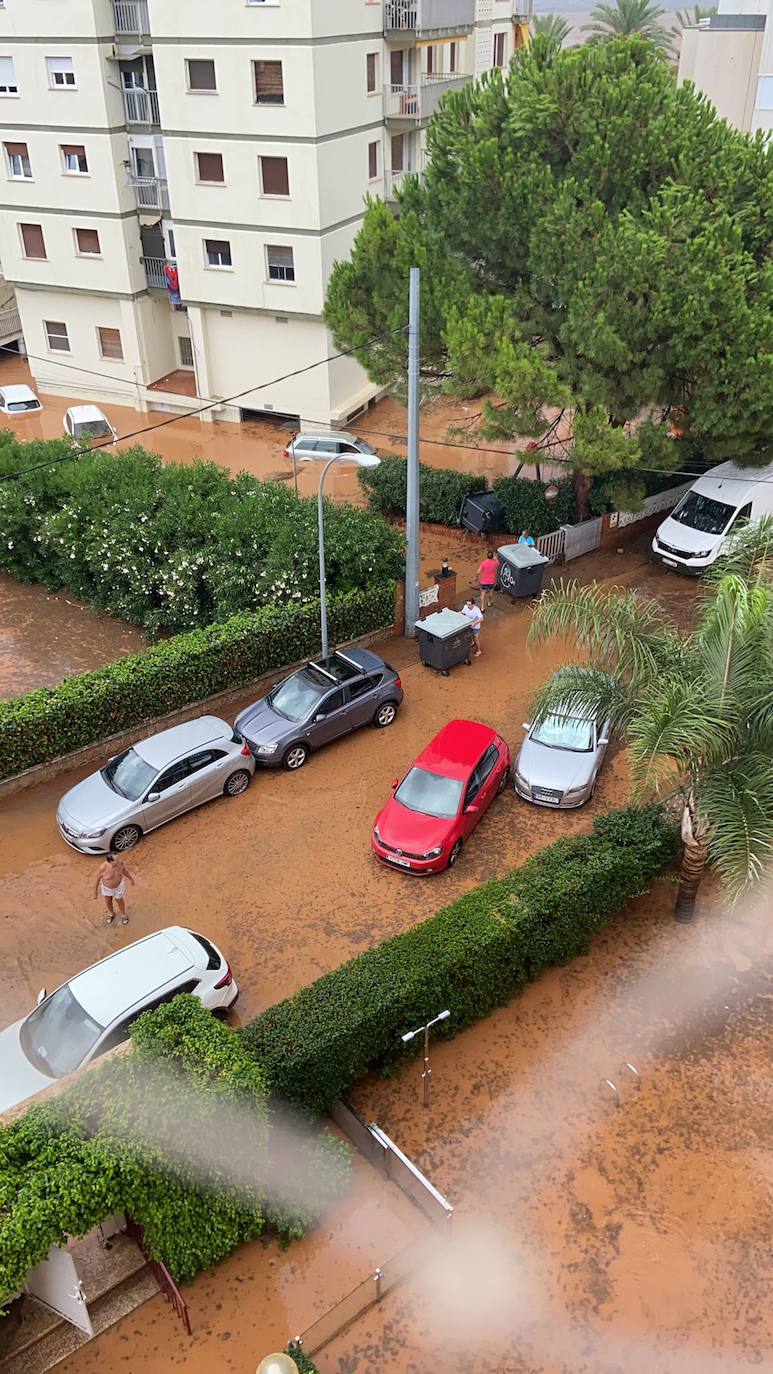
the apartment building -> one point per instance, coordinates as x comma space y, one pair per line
729, 57
178, 180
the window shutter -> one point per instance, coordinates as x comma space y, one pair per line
276, 181
269, 83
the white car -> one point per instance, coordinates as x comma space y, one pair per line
88, 422
18, 400
329, 444
94, 1011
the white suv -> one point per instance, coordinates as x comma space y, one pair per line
95, 1010
326, 445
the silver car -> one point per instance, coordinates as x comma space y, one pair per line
152, 782
560, 760
326, 444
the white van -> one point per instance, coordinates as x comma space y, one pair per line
693, 535
88, 422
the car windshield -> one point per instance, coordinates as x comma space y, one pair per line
91, 429
58, 1035
565, 732
430, 793
703, 513
16, 406
296, 698
128, 775
365, 447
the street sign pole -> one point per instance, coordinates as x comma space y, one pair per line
412, 475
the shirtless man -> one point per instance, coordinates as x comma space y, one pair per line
111, 882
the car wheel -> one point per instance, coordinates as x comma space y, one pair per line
455, 852
503, 782
295, 757
385, 715
125, 838
237, 783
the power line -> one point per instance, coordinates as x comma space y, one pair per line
90, 372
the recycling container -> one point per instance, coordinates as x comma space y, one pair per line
445, 638
521, 570
481, 512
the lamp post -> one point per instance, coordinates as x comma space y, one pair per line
363, 460
280, 1363
425, 1030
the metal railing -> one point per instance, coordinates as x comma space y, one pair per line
131, 17
150, 193
10, 324
552, 545
428, 16
160, 1273
418, 102
140, 106
154, 273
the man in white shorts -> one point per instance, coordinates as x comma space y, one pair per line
111, 883
475, 617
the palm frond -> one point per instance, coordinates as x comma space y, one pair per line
584, 692
733, 643
621, 632
748, 554
678, 732
737, 801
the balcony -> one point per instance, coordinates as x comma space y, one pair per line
416, 104
151, 193
427, 18
141, 107
130, 19
154, 273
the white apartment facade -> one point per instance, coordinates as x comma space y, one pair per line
178, 180
730, 58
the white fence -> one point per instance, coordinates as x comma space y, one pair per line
652, 505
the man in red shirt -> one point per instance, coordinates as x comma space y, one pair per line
488, 572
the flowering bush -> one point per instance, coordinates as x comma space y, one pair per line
171, 547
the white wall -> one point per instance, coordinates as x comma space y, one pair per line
723, 63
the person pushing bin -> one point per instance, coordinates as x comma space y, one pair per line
521, 570
445, 639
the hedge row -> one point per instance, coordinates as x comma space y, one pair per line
70, 1162
46, 723
442, 490
469, 957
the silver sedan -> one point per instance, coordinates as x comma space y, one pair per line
560, 760
152, 782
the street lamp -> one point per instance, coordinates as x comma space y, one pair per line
280, 1363
425, 1030
363, 460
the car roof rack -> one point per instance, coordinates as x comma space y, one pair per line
324, 671
339, 653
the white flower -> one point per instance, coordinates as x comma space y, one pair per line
10, 543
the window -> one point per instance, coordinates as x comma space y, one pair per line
430, 60
274, 178
499, 49
204, 758
174, 775
56, 336
185, 350
280, 263
454, 57
363, 685
110, 345
201, 74
398, 152
371, 61
8, 77
269, 83
61, 72
18, 160
33, 243
372, 161
332, 703
87, 242
209, 167
74, 158
217, 252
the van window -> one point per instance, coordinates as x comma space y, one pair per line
703, 513
743, 517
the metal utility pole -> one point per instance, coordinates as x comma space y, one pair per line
425, 1030
412, 492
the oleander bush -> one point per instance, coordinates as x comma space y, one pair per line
48, 722
469, 957
442, 490
171, 546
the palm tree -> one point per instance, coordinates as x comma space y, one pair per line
551, 26
696, 710
628, 18
689, 19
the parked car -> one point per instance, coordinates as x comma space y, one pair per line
88, 422
317, 704
153, 782
94, 1011
326, 444
18, 400
721, 502
441, 798
560, 759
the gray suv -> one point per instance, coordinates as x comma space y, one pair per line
319, 703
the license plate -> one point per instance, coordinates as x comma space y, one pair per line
402, 863
670, 562
552, 797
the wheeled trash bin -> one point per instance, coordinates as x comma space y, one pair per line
482, 513
521, 570
445, 638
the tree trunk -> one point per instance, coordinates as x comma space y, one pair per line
582, 481
694, 857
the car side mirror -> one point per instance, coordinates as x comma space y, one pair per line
42, 995
471, 810
604, 740
320, 715
394, 783
153, 796
527, 725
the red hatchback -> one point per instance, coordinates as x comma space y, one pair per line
441, 798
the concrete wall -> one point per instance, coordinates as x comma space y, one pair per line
724, 63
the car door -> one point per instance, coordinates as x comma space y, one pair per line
168, 796
120, 1029
331, 718
469, 819
208, 769
488, 778
362, 702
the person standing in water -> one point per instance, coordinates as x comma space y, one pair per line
111, 883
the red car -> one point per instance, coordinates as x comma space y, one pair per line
441, 798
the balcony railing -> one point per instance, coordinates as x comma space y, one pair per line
394, 181
131, 18
428, 16
154, 273
418, 103
141, 106
151, 193
10, 324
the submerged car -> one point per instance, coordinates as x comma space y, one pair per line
441, 798
94, 1011
560, 759
18, 400
88, 423
153, 782
319, 703
332, 444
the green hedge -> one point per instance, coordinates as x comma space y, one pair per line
469, 957
305, 1365
442, 490
48, 722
